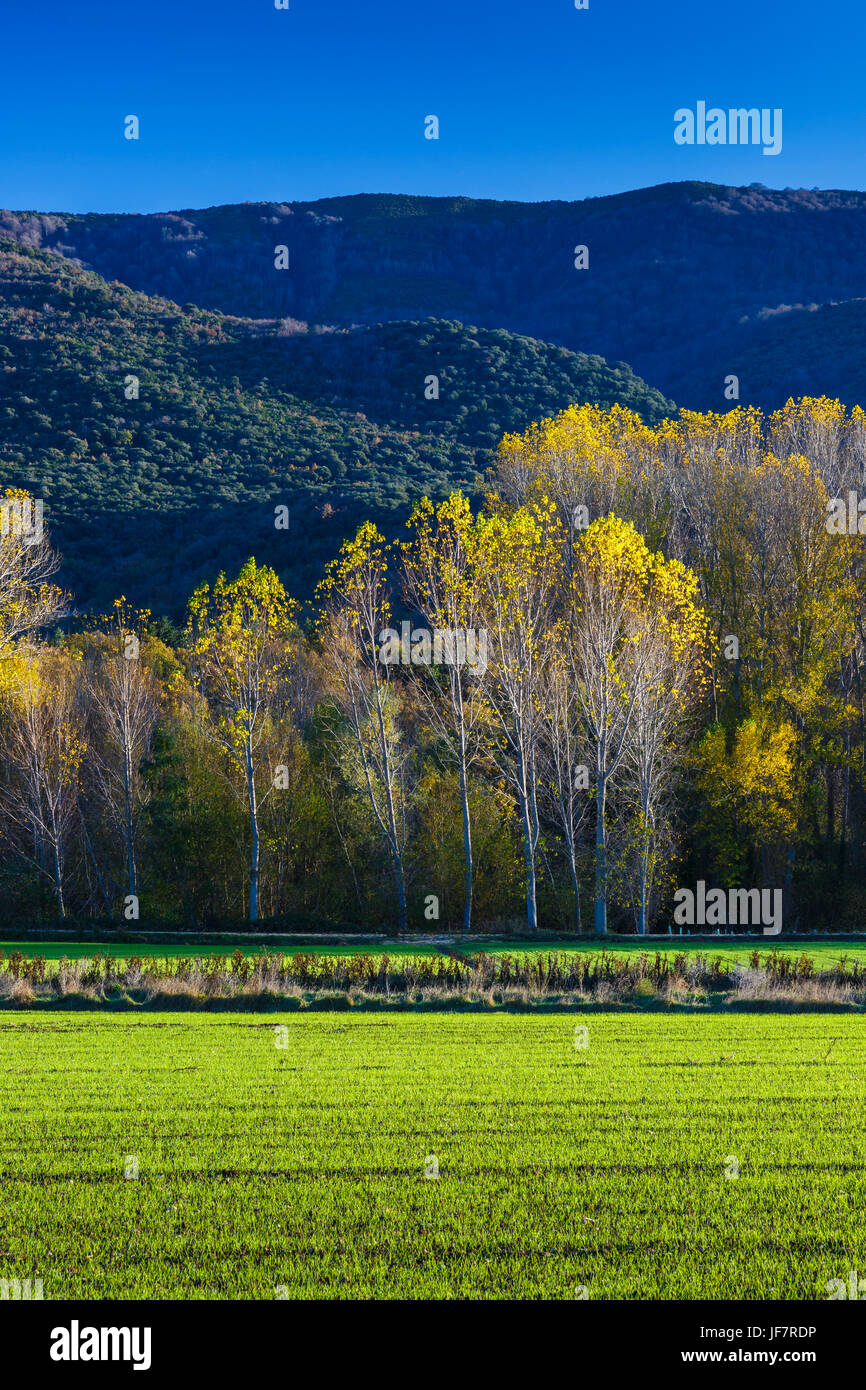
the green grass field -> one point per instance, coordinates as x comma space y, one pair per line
825, 954
119, 950
302, 1168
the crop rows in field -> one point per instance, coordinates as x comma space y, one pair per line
295, 1161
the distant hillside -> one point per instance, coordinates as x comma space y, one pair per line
488, 380
785, 352
673, 270
147, 496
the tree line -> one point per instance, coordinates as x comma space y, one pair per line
638, 664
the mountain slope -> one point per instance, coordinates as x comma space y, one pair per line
673, 269
147, 496
782, 352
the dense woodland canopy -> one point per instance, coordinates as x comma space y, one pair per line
680, 280
614, 743
149, 495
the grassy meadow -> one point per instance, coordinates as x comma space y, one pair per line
298, 1170
825, 954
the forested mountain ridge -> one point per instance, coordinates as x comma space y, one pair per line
779, 353
148, 494
679, 275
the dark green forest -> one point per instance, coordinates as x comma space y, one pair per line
148, 496
680, 277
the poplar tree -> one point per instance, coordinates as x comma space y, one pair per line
240, 635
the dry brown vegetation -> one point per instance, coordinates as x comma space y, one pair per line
555, 979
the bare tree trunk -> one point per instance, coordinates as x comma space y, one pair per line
576, 885
642, 919
58, 880
467, 842
254, 836
130, 820
394, 837
600, 922
529, 859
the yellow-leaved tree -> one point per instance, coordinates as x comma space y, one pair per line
359, 657
638, 641
43, 742
441, 581
28, 600
518, 562
241, 640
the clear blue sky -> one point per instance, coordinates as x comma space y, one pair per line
536, 99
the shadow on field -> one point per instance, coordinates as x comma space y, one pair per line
343, 1003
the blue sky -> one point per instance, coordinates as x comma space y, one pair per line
535, 99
